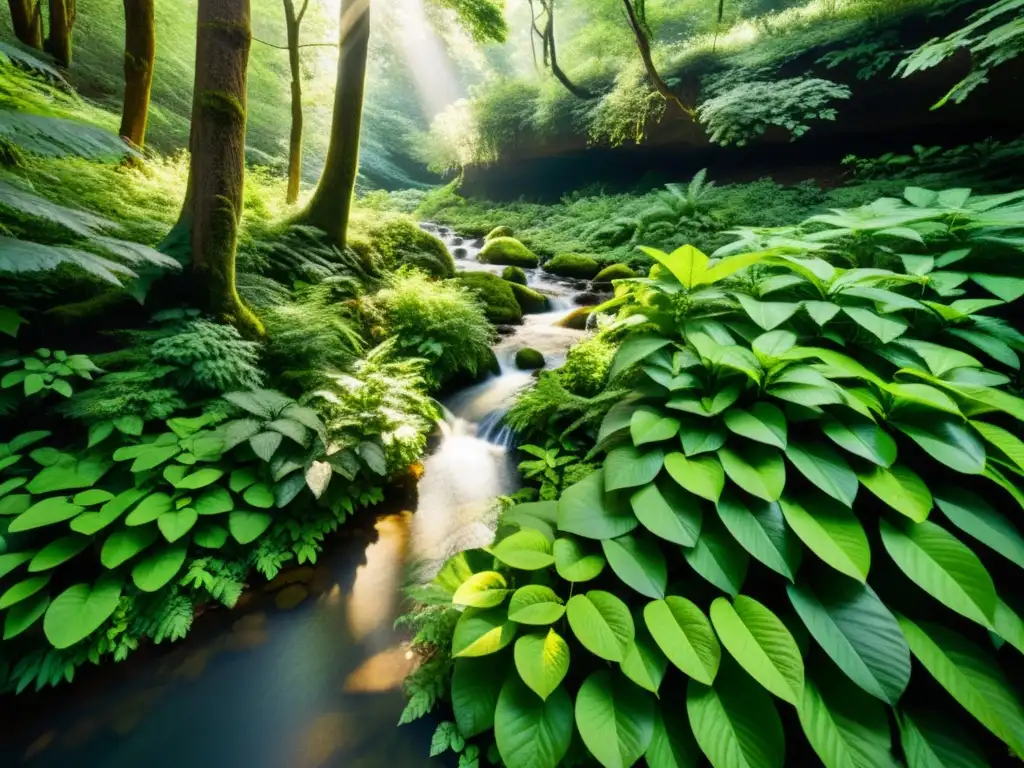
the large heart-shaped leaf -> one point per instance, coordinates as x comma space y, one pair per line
767, 314
482, 631
574, 562
901, 488
763, 422
757, 469
542, 661
615, 719
121, 546
601, 622
535, 604
159, 568
825, 468
761, 529
831, 531
634, 349
476, 684
638, 562
702, 475
973, 515
943, 567
215, 501
587, 510
857, 631
531, 732
89, 523
667, 511
482, 590
649, 425
149, 509
80, 610
760, 642
628, 467
174, 525
685, 636
718, 558
247, 526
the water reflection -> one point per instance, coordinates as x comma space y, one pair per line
373, 601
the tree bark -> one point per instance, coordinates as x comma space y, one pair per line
212, 211
331, 203
62, 21
549, 36
27, 20
139, 55
292, 23
644, 44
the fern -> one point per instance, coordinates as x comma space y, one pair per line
208, 356
168, 618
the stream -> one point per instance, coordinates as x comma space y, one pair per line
306, 671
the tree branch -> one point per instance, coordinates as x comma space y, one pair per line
644, 45
305, 6
549, 33
285, 47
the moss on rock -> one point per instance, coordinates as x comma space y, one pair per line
573, 265
500, 232
514, 275
614, 272
529, 359
577, 319
388, 241
496, 294
507, 250
531, 301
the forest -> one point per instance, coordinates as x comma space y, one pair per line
341, 339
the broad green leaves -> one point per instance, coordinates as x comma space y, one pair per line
482, 590
586, 510
156, 570
973, 515
536, 605
638, 562
762, 422
826, 469
480, 632
760, 528
831, 531
684, 635
527, 550
669, 512
702, 476
628, 467
649, 425
49, 511
542, 661
757, 469
574, 562
862, 437
932, 742
718, 558
476, 684
901, 489
615, 718
601, 622
80, 610
531, 732
247, 526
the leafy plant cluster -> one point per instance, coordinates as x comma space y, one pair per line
980, 156
800, 540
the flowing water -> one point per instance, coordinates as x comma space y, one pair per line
305, 674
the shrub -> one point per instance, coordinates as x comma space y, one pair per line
614, 272
529, 359
530, 301
507, 250
499, 302
438, 321
572, 265
514, 275
585, 372
501, 231
389, 241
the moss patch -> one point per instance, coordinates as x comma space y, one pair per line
499, 301
529, 359
500, 232
388, 241
507, 250
577, 319
573, 265
532, 302
614, 272
514, 275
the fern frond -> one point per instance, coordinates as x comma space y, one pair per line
22, 256
31, 61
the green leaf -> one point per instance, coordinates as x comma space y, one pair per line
831, 531
668, 512
687, 264
174, 525
643, 662
480, 632
482, 590
703, 437
861, 437
628, 467
702, 476
718, 558
538, 515
242, 479
901, 489
535, 604
767, 314
973, 515
685, 636
15, 504
204, 477
615, 719
574, 563
948, 442
885, 328
121, 546
89, 523
757, 469
215, 501
601, 622
92, 497
672, 745
23, 590
923, 395
531, 732
265, 444
153, 455
476, 684
58, 551
826, 469
735, 722
159, 568
649, 425
23, 615
634, 349
259, 495
821, 311
760, 642
639, 564
12, 560
773, 346
149, 509
853, 626
246, 526
761, 530
763, 422
971, 677
210, 536
129, 425
80, 610
1003, 440
527, 550
542, 661
937, 562
1009, 626
846, 727
586, 510
46, 512
933, 742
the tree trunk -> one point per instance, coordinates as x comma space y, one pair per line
549, 35
292, 22
139, 55
62, 20
27, 20
332, 201
644, 44
213, 204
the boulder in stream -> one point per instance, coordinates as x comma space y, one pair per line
514, 275
532, 302
499, 302
507, 250
577, 265
501, 231
529, 359
576, 320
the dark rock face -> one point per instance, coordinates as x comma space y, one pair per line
588, 299
460, 253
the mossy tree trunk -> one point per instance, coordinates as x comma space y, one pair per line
139, 55
27, 21
331, 203
62, 21
292, 22
212, 211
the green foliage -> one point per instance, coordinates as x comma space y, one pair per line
209, 356
45, 371
499, 302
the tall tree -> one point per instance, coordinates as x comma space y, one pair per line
212, 210
139, 55
330, 205
27, 21
641, 32
62, 21
292, 22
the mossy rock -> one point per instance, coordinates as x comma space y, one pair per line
507, 250
500, 232
529, 359
573, 265
577, 319
532, 302
496, 294
614, 272
514, 275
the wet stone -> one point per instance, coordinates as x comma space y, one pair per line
302, 575
290, 597
460, 253
457, 241
587, 299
